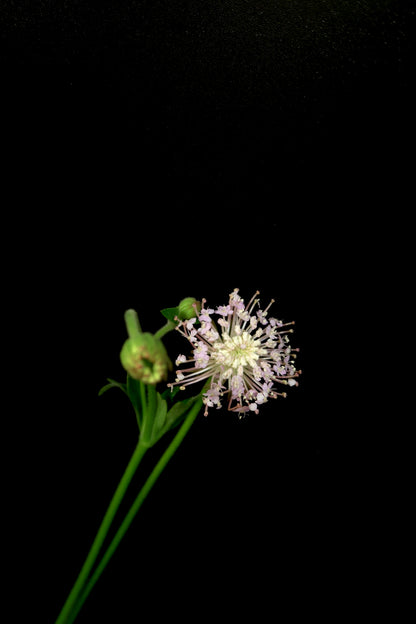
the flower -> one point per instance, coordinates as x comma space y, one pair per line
242, 353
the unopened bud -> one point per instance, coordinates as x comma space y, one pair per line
144, 357
188, 308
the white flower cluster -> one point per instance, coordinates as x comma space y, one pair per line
243, 353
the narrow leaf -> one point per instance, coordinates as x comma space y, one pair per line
170, 393
133, 392
170, 313
160, 417
178, 410
112, 384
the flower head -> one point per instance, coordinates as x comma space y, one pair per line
242, 353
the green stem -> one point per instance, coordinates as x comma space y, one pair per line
137, 504
143, 402
65, 615
165, 329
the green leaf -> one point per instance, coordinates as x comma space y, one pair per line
160, 419
169, 394
151, 400
161, 412
170, 313
154, 419
112, 384
134, 394
177, 412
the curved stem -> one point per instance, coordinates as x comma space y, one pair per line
165, 329
66, 615
137, 504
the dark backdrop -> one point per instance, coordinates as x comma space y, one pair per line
157, 150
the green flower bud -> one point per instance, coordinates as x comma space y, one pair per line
188, 308
144, 357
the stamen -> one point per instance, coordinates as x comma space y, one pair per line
271, 302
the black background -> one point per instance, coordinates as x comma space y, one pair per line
157, 150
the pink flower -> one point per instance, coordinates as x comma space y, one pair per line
241, 354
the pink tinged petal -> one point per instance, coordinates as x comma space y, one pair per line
224, 310
253, 322
189, 324
243, 315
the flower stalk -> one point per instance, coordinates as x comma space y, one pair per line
141, 497
65, 615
